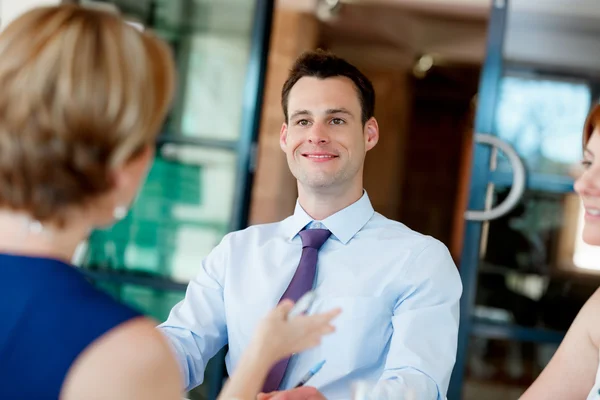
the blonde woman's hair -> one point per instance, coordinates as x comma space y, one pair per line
81, 93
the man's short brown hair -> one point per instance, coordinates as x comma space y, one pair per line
321, 64
81, 93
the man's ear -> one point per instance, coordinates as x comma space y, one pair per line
283, 137
371, 133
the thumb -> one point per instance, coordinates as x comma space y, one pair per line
301, 393
284, 308
266, 396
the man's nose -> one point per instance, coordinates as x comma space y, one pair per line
318, 135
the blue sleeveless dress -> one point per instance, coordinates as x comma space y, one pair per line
49, 314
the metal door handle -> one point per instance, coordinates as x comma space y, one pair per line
518, 186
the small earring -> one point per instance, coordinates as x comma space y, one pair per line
35, 227
120, 212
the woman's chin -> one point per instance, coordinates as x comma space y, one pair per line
591, 236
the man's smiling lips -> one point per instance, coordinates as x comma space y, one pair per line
318, 156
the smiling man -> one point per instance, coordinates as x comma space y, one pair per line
399, 290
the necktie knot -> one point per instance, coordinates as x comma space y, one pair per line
314, 238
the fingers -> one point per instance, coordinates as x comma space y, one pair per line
327, 329
319, 322
267, 396
315, 327
301, 393
284, 308
330, 315
323, 319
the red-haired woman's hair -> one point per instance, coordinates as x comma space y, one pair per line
591, 124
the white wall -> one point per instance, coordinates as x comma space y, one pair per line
563, 41
10, 9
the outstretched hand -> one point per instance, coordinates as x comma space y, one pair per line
279, 337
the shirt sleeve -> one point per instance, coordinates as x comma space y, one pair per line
425, 321
196, 327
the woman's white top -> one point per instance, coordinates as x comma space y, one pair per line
595, 392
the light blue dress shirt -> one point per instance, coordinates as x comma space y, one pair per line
399, 292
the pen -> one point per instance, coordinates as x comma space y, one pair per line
310, 374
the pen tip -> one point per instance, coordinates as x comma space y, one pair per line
319, 365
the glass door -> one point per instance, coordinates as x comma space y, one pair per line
524, 269
198, 188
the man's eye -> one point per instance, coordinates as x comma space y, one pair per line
303, 122
337, 121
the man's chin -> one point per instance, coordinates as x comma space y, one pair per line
319, 180
320, 184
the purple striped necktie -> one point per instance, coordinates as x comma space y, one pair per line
302, 282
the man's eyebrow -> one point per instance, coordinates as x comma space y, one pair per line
340, 110
300, 112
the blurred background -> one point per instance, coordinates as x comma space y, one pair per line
481, 104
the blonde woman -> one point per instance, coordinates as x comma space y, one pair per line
573, 372
82, 98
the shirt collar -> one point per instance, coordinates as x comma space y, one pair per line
344, 224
